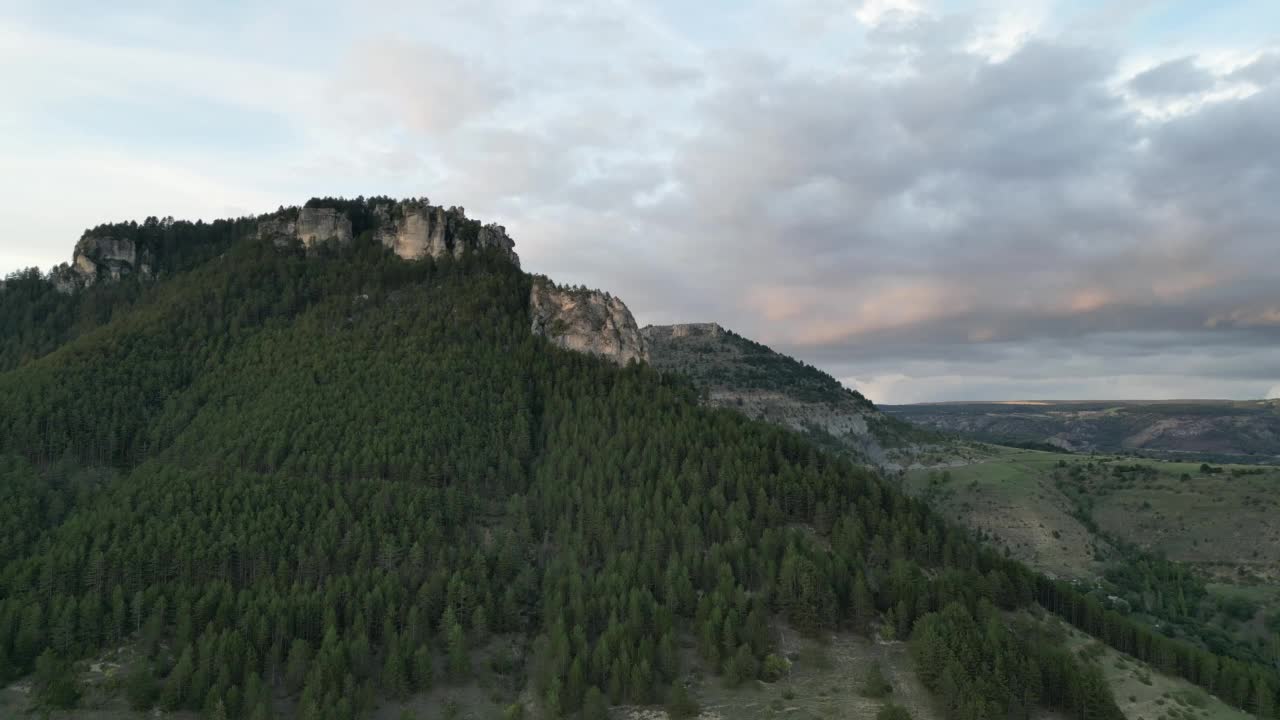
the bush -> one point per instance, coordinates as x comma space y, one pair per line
876, 686
774, 668
141, 688
1238, 608
594, 706
55, 681
893, 712
681, 704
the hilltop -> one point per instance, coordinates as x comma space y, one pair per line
737, 373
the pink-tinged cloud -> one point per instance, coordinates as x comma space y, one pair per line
816, 317
1089, 300
1247, 318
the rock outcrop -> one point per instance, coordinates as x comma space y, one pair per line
414, 229
99, 257
317, 225
313, 226
586, 321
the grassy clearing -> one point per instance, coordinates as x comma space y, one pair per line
1228, 525
1144, 694
1009, 496
825, 682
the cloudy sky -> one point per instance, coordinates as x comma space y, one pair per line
931, 199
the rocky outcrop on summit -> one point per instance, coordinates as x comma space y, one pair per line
586, 321
313, 226
99, 257
317, 225
746, 376
414, 229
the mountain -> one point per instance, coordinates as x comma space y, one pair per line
1212, 430
349, 459
740, 374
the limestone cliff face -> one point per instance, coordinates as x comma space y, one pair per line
313, 226
317, 225
98, 257
414, 229
586, 321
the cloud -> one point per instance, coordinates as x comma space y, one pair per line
1173, 78
1274, 392
1263, 70
1247, 317
424, 87
930, 201
875, 12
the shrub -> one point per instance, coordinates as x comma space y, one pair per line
141, 688
893, 712
875, 685
681, 704
774, 668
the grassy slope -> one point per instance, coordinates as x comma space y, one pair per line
1224, 525
1144, 694
1008, 496
1215, 522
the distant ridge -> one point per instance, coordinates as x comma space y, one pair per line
1214, 430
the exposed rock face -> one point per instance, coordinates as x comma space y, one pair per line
314, 226
414, 229
101, 258
280, 230
587, 321
317, 225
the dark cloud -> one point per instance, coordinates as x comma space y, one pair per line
1172, 79
1004, 217
1262, 71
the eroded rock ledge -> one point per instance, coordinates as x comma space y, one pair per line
588, 321
101, 257
412, 229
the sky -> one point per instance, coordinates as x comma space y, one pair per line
929, 199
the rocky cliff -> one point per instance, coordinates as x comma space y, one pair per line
311, 227
413, 229
98, 257
586, 321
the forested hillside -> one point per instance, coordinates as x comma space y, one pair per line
307, 483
